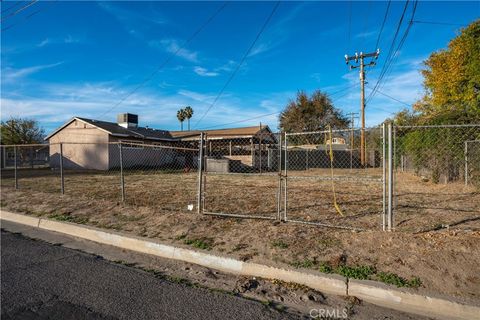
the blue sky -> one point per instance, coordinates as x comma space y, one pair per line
81, 58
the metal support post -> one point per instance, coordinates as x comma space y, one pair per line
390, 178
62, 181
15, 166
122, 177
200, 175
384, 176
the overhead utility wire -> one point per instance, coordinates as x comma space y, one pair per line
439, 23
232, 75
399, 47
383, 24
276, 112
12, 6
18, 10
390, 51
30, 15
168, 59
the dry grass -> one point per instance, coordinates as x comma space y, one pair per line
445, 260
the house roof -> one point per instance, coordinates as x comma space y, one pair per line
154, 134
117, 130
222, 133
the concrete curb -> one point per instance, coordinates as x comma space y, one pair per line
370, 291
378, 293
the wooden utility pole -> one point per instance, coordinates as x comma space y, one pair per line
359, 60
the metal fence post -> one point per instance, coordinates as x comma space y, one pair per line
122, 177
390, 178
384, 176
200, 175
285, 179
466, 163
15, 166
279, 190
62, 181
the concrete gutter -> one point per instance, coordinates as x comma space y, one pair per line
370, 291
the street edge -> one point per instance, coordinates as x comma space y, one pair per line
369, 291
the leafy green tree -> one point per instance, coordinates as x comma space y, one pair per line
21, 131
312, 113
452, 81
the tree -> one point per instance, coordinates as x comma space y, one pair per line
181, 117
311, 114
21, 131
188, 114
452, 81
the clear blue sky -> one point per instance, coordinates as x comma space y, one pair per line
81, 58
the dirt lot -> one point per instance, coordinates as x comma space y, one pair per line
445, 260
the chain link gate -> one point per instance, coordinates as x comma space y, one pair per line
240, 176
326, 183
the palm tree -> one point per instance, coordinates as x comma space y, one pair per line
181, 117
188, 114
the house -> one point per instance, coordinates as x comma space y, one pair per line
94, 144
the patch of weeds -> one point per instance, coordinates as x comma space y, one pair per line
396, 280
125, 263
204, 244
325, 268
279, 244
357, 272
69, 218
179, 280
306, 264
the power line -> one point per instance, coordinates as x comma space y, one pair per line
390, 51
232, 75
277, 112
440, 23
400, 45
12, 6
18, 10
244, 120
169, 58
383, 24
389, 96
349, 24
29, 16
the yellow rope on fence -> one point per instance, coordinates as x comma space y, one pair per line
330, 153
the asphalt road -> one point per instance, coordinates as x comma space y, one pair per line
44, 281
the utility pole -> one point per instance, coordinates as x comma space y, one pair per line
360, 58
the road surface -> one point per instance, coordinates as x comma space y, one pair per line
44, 281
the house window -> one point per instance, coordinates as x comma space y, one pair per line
130, 144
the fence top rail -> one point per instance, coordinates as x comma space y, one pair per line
156, 146
441, 126
24, 145
327, 131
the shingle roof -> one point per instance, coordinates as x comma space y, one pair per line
139, 132
154, 134
230, 132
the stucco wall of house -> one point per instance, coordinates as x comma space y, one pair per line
84, 147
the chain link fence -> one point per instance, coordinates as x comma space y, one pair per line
436, 176
327, 181
241, 176
410, 178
